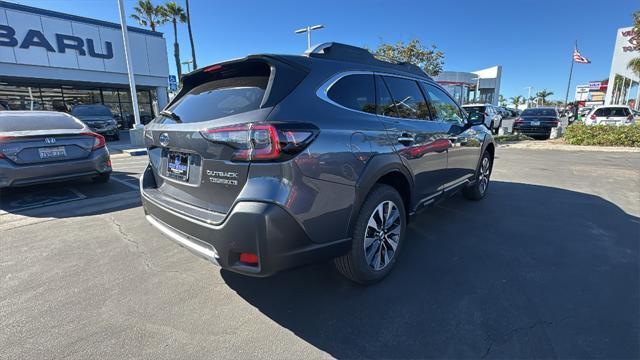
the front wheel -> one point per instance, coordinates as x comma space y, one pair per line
377, 237
478, 189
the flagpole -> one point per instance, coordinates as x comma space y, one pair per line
566, 97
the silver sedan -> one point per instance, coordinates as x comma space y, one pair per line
47, 146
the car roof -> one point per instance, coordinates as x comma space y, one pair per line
610, 106
477, 104
29, 113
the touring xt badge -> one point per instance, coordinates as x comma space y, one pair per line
223, 177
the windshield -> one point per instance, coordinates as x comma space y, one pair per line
91, 110
540, 112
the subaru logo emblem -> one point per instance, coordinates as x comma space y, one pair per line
164, 139
50, 140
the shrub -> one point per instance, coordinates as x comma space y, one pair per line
603, 135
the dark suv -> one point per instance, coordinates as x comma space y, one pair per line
274, 161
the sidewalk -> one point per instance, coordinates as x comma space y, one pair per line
560, 145
119, 148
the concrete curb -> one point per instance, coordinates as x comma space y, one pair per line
543, 145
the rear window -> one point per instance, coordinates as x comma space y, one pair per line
91, 110
355, 92
241, 91
35, 121
475, 109
540, 112
613, 112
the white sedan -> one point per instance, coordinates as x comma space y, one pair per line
610, 115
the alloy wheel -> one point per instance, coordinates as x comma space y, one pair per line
382, 235
485, 172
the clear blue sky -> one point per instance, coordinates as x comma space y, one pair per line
532, 40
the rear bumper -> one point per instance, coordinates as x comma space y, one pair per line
18, 175
260, 228
107, 130
532, 130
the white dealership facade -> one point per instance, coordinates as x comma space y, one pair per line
623, 83
53, 61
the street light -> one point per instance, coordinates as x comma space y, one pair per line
477, 92
308, 30
188, 63
529, 95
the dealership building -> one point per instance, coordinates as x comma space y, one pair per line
53, 61
482, 86
623, 85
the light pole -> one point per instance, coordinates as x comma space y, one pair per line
308, 30
127, 56
188, 63
529, 94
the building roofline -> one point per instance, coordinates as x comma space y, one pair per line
82, 19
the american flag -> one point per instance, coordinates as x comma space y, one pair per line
577, 57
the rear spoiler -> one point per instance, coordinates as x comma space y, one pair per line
283, 78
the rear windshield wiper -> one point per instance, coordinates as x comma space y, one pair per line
171, 115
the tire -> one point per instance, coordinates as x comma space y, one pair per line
101, 179
355, 265
478, 189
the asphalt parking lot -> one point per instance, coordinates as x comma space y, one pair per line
547, 266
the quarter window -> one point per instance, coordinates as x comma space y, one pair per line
443, 107
409, 101
355, 92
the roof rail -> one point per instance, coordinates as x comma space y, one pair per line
344, 52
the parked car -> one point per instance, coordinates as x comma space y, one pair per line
47, 146
4, 106
99, 118
491, 114
537, 122
274, 161
610, 115
582, 112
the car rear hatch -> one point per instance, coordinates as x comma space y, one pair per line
33, 147
613, 116
193, 144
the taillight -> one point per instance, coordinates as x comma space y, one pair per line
3, 139
260, 141
517, 121
630, 118
592, 117
249, 258
98, 140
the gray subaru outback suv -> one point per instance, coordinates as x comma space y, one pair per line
274, 161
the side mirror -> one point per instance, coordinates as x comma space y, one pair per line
476, 118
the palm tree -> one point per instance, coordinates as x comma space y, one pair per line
502, 101
634, 65
543, 95
148, 15
175, 13
193, 49
516, 101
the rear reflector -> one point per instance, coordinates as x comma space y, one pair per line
249, 258
98, 141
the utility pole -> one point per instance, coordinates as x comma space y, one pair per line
308, 30
528, 95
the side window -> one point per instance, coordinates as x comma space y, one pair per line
443, 107
385, 105
355, 92
408, 98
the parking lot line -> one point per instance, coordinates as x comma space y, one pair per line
124, 182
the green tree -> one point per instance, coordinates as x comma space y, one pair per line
502, 101
174, 13
516, 101
431, 60
543, 95
193, 49
146, 14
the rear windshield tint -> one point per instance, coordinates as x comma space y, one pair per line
13, 121
91, 110
613, 112
540, 112
474, 109
223, 97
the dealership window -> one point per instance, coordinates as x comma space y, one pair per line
63, 98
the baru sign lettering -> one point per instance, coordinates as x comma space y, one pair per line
62, 43
634, 40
